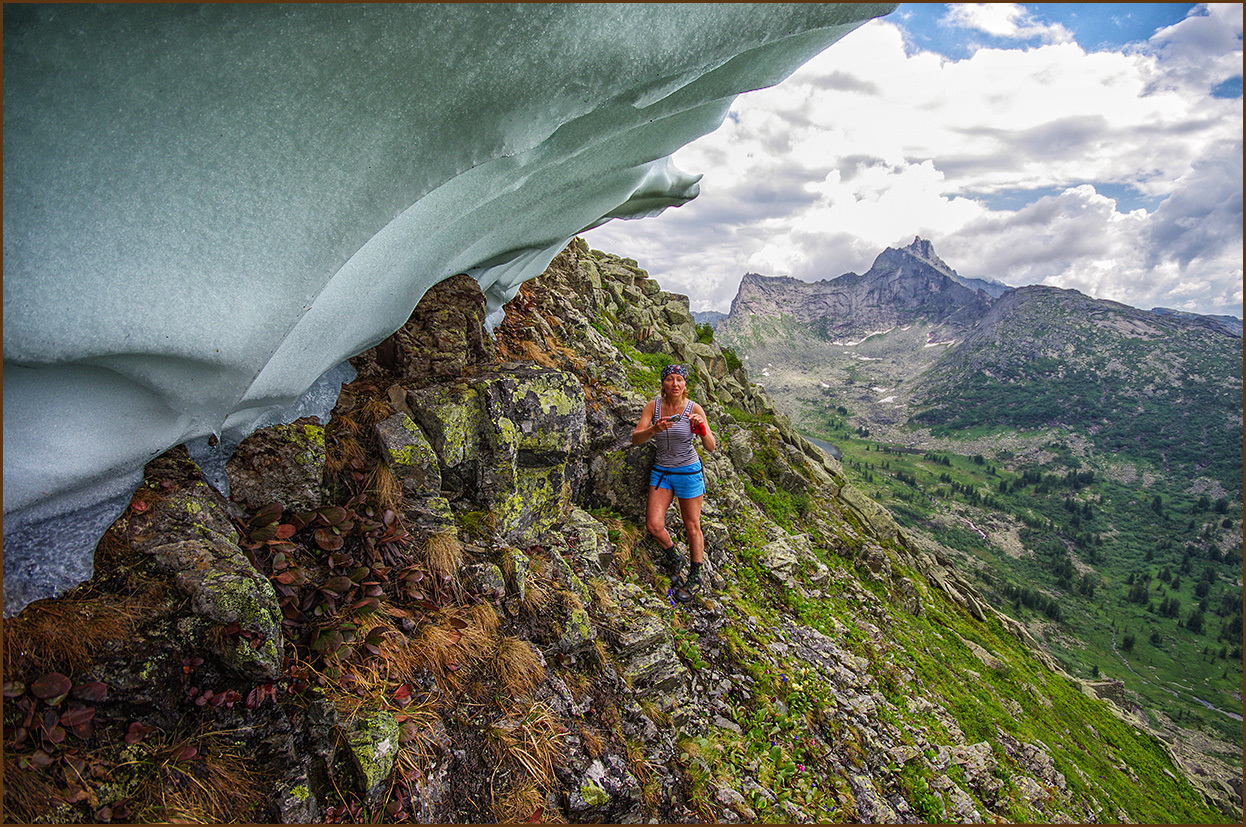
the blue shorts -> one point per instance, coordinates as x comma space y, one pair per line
686, 481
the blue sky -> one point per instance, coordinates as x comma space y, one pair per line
1095, 26
1089, 146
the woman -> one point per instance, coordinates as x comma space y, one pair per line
672, 419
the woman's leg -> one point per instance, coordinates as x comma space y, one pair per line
655, 515
690, 510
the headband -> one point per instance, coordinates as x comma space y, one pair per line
669, 369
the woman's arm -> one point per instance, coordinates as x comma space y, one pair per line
707, 438
643, 433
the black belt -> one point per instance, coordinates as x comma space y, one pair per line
663, 474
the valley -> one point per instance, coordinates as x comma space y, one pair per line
1080, 460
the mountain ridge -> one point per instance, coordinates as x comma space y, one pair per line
900, 286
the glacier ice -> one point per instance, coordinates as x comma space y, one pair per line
208, 208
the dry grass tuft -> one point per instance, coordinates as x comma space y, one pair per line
517, 666
643, 772
529, 737
539, 598
625, 545
485, 618
435, 648
367, 682
348, 452
66, 634
654, 713
219, 787
28, 794
603, 600
374, 409
594, 744
452, 646
578, 682
522, 804
569, 601
442, 554
387, 488
532, 352
426, 744
603, 657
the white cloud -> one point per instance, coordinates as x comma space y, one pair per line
1202, 50
867, 146
1009, 20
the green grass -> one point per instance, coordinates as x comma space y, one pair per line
1113, 528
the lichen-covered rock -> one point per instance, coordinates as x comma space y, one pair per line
487, 579
410, 457
191, 509
618, 479
294, 803
443, 336
372, 739
607, 791
508, 439
646, 650
584, 541
872, 559
281, 463
979, 763
450, 415
225, 589
789, 557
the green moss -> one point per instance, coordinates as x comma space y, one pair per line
475, 523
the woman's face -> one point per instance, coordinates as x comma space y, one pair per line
674, 385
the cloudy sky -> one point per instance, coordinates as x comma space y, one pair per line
1088, 146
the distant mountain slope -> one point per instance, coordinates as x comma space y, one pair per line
924, 250
1162, 388
1230, 324
709, 317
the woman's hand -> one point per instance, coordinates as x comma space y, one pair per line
700, 427
643, 433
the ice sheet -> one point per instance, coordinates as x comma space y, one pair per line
208, 207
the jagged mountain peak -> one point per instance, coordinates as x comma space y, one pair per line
924, 251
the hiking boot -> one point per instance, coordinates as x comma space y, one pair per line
673, 562
690, 587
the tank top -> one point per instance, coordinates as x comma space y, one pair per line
674, 444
